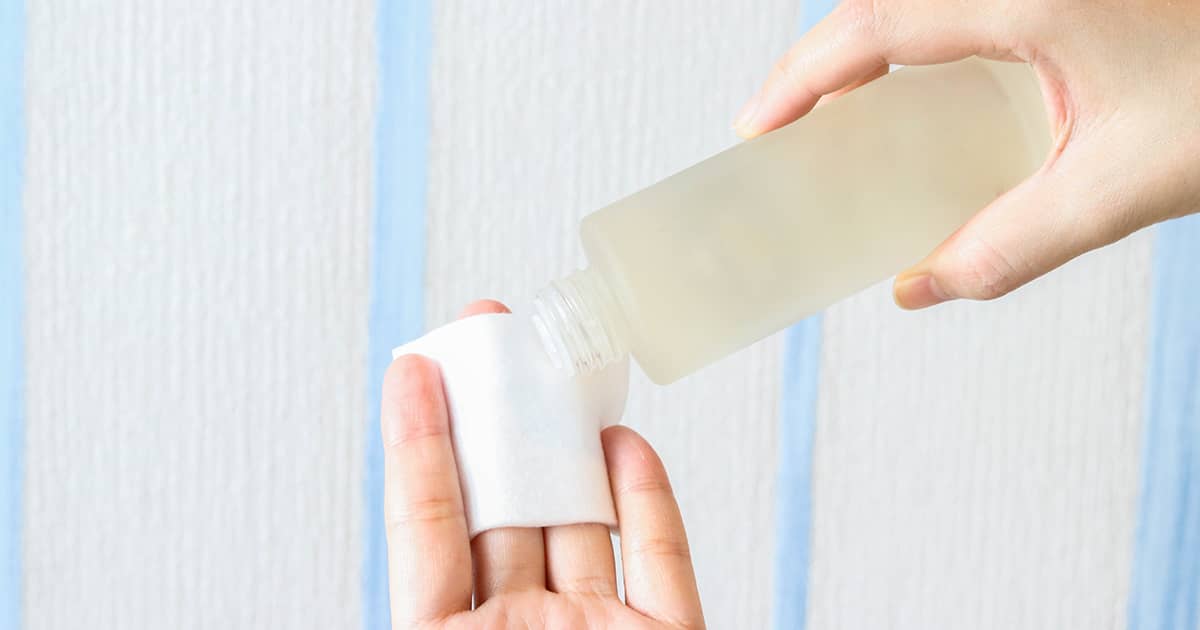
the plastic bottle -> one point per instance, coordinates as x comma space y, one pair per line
759, 236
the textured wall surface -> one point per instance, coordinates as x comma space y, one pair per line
198, 207
976, 464
544, 113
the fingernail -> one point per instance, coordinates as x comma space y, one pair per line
919, 291
746, 116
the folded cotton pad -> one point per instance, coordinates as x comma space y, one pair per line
526, 434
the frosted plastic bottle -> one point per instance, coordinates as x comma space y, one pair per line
755, 238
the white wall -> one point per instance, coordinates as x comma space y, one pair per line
976, 465
198, 212
198, 207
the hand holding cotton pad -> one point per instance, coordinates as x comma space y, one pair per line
526, 434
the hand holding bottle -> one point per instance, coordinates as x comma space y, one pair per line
1121, 83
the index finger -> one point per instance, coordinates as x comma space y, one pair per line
429, 553
854, 43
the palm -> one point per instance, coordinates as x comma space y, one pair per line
552, 610
528, 578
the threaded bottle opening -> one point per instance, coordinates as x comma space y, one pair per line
576, 320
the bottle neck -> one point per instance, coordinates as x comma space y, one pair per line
579, 322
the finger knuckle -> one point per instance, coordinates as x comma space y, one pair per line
987, 272
645, 485
591, 585
418, 425
785, 67
422, 512
696, 623
865, 18
1052, 7
663, 547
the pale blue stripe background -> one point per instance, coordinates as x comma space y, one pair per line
814, 11
398, 255
797, 429
1165, 589
797, 417
12, 293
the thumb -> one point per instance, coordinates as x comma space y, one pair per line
1073, 205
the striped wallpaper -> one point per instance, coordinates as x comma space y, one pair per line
798, 423
1165, 591
373, 143
12, 313
398, 250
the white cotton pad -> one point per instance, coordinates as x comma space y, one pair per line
526, 434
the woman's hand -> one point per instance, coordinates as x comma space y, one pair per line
1121, 82
528, 578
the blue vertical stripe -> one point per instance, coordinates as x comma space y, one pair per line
398, 255
797, 430
1165, 590
12, 313
814, 11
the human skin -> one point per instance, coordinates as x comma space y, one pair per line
527, 578
1121, 83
